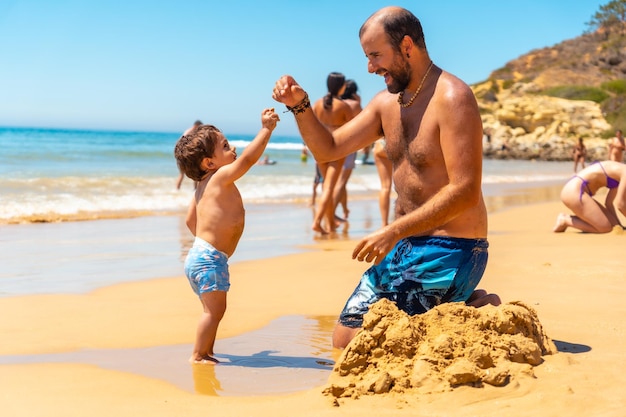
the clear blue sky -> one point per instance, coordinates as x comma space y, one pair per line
159, 65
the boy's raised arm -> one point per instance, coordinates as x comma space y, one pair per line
255, 149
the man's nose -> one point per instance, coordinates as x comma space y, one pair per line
370, 67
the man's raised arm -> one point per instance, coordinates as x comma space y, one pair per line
318, 139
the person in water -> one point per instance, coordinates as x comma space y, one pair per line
589, 214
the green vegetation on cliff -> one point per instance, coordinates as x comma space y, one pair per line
590, 67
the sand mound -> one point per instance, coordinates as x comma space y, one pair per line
450, 345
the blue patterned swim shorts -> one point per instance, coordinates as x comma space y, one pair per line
206, 268
418, 274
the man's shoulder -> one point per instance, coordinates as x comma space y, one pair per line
451, 90
450, 82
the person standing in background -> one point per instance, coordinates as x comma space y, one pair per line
340, 194
332, 112
616, 147
317, 180
385, 173
580, 152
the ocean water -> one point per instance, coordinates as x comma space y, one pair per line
128, 180
59, 174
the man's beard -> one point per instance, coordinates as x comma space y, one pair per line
400, 75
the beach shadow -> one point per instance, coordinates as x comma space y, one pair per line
265, 359
571, 347
264, 372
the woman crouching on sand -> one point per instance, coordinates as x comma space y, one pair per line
590, 215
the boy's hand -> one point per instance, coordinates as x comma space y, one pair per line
269, 118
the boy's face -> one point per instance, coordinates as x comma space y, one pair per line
224, 153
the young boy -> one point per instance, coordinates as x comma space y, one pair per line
215, 218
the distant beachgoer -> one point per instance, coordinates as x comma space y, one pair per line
215, 217
340, 193
317, 180
616, 147
385, 173
266, 161
487, 135
181, 174
332, 112
580, 152
304, 154
365, 159
590, 215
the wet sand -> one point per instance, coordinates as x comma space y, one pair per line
80, 256
120, 346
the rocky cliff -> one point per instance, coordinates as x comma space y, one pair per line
538, 105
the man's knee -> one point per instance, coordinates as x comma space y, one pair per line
343, 335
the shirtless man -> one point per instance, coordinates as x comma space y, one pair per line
616, 147
435, 250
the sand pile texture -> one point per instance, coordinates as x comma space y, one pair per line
448, 346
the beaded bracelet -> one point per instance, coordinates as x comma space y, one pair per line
300, 107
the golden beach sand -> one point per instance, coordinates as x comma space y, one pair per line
575, 282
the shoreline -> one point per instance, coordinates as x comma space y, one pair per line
82, 256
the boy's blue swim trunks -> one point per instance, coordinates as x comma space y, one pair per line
418, 274
206, 268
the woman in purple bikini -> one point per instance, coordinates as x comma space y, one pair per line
589, 214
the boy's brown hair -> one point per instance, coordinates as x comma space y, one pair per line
191, 149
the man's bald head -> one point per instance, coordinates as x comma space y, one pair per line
397, 23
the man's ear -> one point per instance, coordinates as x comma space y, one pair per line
406, 45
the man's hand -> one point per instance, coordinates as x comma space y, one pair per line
288, 91
375, 246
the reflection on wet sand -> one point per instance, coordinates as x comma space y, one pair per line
512, 196
292, 353
297, 356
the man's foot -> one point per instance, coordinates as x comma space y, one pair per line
561, 223
481, 298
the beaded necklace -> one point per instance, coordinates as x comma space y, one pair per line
410, 102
